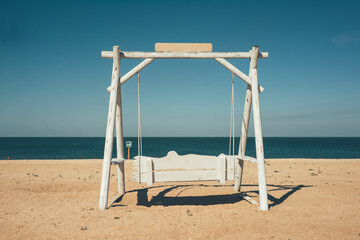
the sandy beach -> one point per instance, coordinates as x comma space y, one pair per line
58, 199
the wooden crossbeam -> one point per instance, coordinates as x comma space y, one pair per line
190, 55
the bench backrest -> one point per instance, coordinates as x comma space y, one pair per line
176, 168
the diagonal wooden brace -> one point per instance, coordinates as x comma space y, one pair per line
237, 72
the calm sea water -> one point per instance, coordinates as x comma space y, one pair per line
93, 147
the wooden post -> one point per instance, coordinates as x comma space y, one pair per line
105, 179
259, 141
120, 140
239, 165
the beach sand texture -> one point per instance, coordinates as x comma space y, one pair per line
58, 199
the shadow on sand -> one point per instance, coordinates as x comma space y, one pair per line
161, 199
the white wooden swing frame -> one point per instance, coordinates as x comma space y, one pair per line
115, 121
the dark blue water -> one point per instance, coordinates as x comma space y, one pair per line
275, 147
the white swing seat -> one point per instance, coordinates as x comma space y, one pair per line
190, 167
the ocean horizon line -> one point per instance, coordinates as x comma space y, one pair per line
182, 137
93, 147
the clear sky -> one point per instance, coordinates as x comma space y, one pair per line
53, 81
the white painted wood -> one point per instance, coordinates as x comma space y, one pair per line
120, 141
183, 176
136, 69
190, 165
244, 158
245, 121
105, 178
254, 56
126, 54
185, 162
222, 61
259, 142
238, 172
214, 175
149, 172
249, 199
222, 169
183, 47
186, 176
249, 159
239, 165
139, 174
230, 173
229, 166
236, 71
117, 160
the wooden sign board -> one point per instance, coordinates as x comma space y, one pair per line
183, 47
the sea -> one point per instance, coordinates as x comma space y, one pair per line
93, 147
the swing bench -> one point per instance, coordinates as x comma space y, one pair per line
191, 167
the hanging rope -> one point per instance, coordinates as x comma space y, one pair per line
232, 122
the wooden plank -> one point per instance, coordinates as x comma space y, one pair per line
183, 47
230, 174
229, 166
249, 199
190, 55
176, 162
183, 176
149, 172
222, 169
186, 176
185, 162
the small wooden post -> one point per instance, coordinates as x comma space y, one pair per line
120, 140
109, 140
239, 164
259, 141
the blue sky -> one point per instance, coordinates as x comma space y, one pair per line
53, 81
